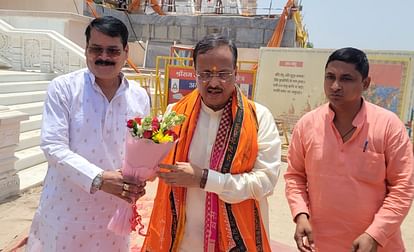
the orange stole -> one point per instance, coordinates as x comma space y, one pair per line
166, 226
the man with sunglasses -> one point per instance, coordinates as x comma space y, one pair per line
212, 193
83, 138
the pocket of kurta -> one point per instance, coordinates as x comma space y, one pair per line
371, 167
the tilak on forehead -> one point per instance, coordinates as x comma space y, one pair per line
214, 69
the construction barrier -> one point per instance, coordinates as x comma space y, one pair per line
175, 77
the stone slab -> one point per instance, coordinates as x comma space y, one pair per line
7, 166
7, 151
11, 116
9, 134
9, 186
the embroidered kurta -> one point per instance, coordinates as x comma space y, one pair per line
257, 184
82, 134
363, 185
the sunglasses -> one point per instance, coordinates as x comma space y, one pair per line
110, 51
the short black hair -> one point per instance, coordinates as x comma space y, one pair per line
212, 41
353, 56
109, 26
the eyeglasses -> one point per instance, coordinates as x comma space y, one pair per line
111, 52
207, 76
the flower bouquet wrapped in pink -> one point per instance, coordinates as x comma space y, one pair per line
148, 141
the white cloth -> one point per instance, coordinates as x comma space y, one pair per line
257, 184
82, 134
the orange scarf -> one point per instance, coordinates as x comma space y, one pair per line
239, 225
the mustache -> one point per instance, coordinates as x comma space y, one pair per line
104, 63
209, 89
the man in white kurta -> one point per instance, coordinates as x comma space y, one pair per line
83, 137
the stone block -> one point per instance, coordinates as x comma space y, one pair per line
187, 33
263, 23
186, 20
166, 20
267, 35
247, 35
188, 41
7, 152
213, 29
200, 32
219, 21
161, 32
7, 166
138, 19
9, 134
289, 36
174, 33
146, 32
136, 33
9, 186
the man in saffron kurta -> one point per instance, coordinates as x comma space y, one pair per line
214, 197
350, 179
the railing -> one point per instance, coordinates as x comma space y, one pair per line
39, 50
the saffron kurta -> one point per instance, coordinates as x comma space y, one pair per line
82, 134
363, 185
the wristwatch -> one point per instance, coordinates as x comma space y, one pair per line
97, 183
203, 180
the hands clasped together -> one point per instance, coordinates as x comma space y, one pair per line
305, 243
181, 174
123, 187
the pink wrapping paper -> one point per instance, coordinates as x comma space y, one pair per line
142, 157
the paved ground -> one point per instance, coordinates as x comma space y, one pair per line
16, 215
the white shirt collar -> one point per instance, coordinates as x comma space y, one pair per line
209, 111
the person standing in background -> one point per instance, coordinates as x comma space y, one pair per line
349, 181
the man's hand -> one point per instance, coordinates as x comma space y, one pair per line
364, 243
121, 186
181, 174
303, 234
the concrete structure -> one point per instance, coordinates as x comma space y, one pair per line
23, 92
247, 32
9, 138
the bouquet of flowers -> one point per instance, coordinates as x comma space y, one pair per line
148, 141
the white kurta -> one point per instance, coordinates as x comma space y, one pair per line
257, 184
82, 134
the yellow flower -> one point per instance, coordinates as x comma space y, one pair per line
159, 137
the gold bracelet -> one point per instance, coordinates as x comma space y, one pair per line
203, 180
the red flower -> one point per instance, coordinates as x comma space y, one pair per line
138, 120
147, 134
130, 124
155, 124
171, 133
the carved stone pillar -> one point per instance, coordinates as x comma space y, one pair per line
9, 138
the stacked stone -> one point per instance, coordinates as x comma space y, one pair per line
9, 138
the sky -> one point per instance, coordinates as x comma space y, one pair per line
365, 24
